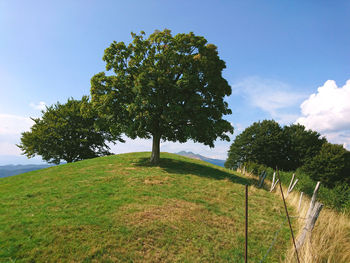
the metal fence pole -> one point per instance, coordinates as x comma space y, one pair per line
285, 206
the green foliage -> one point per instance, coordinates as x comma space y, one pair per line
66, 132
262, 142
301, 145
330, 166
255, 168
337, 197
166, 87
265, 145
268, 144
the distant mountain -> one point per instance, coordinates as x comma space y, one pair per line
10, 170
203, 158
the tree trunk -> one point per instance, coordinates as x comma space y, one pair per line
155, 149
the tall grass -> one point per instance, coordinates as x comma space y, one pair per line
337, 198
329, 240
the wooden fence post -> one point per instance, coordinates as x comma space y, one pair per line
311, 217
263, 176
301, 197
291, 188
273, 187
291, 182
313, 199
273, 181
310, 223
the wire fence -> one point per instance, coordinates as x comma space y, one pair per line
310, 219
274, 240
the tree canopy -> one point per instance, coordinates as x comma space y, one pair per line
268, 143
66, 132
164, 87
330, 166
301, 145
262, 142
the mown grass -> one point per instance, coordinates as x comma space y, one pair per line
121, 209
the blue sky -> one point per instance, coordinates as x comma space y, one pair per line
277, 54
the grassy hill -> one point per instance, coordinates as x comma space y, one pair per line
121, 209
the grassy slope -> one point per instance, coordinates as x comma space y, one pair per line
119, 209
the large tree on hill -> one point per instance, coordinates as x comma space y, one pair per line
164, 87
66, 132
262, 142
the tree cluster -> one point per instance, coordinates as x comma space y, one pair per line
291, 148
331, 165
270, 144
162, 87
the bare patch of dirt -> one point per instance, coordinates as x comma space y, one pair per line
130, 168
175, 211
155, 180
107, 178
171, 211
118, 171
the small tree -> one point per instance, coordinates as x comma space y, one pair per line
66, 132
331, 166
165, 87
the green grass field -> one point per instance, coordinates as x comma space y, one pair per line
121, 209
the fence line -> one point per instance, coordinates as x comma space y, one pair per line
274, 240
310, 219
290, 226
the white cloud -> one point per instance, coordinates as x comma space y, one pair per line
8, 148
272, 96
40, 106
238, 128
137, 145
328, 109
11, 127
341, 137
13, 124
328, 112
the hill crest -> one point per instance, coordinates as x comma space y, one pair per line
120, 208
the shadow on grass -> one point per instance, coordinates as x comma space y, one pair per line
183, 167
